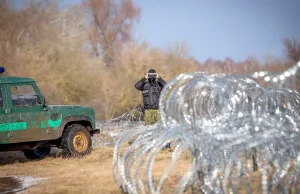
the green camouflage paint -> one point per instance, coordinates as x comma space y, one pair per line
18, 126
51, 124
41, 121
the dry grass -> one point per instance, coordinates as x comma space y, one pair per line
94, 173
91, 174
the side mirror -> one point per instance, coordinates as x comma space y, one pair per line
45, 104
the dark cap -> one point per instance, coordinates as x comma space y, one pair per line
151, 71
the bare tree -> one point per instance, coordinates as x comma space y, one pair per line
5, 3
292, 47
111, 26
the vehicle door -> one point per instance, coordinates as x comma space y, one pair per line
6, 130
27, 113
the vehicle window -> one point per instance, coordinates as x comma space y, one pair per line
1, 99
24, 95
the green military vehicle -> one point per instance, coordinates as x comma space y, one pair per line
27, 123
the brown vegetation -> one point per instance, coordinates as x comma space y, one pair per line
94, 173
89, 58
91, 174
111, 26
292, 47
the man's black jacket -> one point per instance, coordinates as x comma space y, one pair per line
151, 91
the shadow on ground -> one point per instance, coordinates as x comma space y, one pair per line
7, 158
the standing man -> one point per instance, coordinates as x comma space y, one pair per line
151, 86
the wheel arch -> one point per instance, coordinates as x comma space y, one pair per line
67, 121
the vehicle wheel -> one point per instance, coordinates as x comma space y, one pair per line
38, 153
76, 141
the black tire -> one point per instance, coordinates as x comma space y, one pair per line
76, 141
38, 153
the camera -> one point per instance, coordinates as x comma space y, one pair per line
152, 75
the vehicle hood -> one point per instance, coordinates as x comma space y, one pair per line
72, 110
64, 107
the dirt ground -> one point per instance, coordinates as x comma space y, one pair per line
91, 174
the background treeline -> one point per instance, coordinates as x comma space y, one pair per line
85, 54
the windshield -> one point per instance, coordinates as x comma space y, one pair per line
24, 95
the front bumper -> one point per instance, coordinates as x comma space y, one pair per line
96, 131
